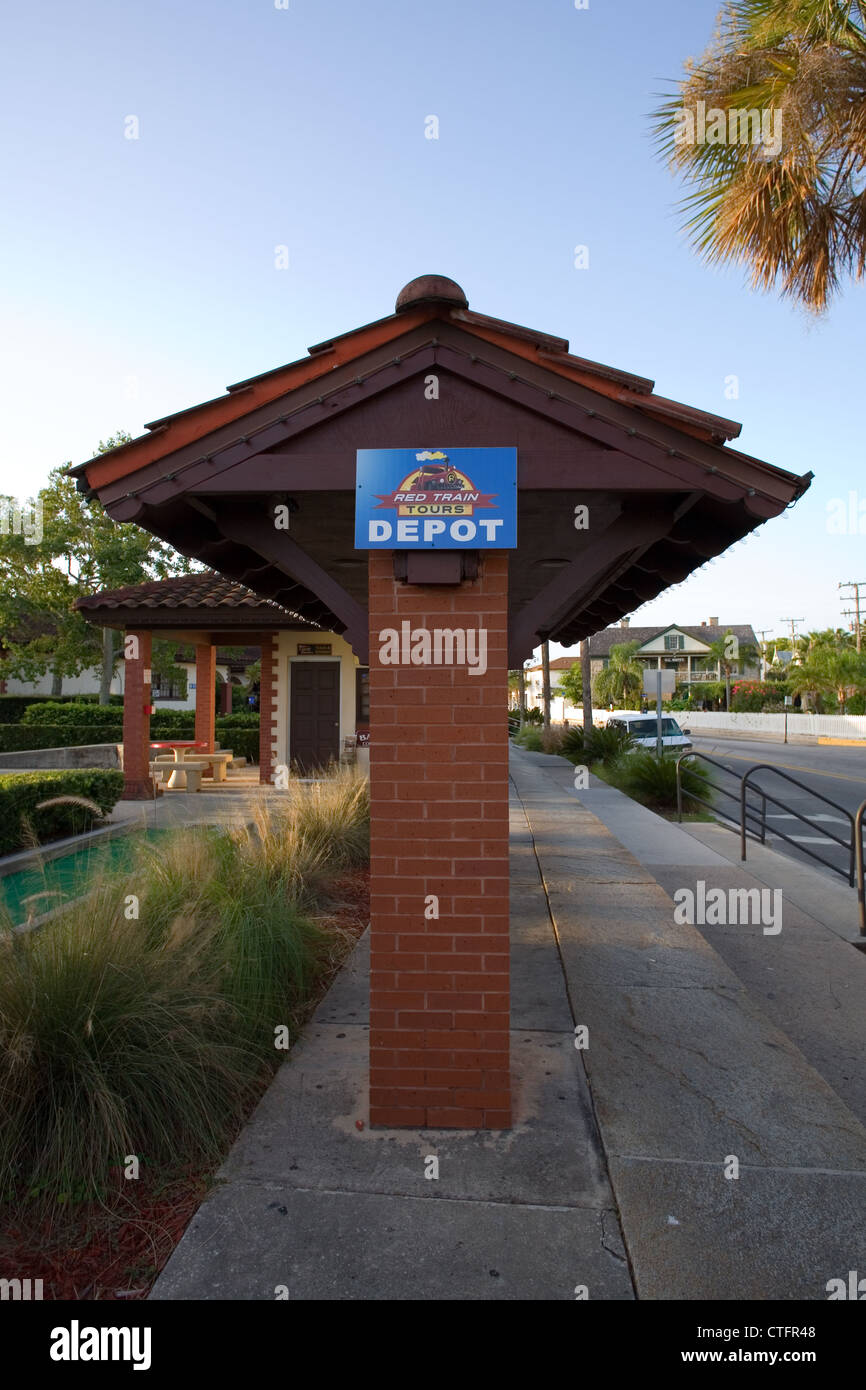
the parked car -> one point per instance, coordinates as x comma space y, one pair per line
642, 728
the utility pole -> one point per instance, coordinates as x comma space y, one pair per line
856, 585
761, 633
792, 621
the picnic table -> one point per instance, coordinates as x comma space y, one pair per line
180, 747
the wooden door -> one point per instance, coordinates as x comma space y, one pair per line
314, 719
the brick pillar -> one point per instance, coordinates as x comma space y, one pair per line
439, 988
137, 781
267, 707
205, 694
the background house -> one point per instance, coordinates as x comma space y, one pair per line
686, 650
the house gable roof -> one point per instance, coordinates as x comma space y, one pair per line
601, 642
667, 493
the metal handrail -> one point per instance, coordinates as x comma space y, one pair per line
789, 810
855, 875
702, 801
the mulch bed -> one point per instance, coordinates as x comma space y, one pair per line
116, 1254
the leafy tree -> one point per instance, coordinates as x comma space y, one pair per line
571, 684
82, 550
732, 656
621, 681
791, 205
838, 671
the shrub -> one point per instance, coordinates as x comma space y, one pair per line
551, 740
70, 712
533, 716
572, 746
606, 745
312, 828
750, 696
241, 719
153, 1035
653, 781
244, 743
12, 707
16, 738
21, 823
115, 1040
529, 737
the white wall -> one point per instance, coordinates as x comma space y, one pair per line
88, 684
825, 725
85, 684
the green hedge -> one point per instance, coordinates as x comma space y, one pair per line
15, 738
244, 743
162, 721
22, 792
241, 719
12, 707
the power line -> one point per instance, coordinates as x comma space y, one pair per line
856, 585
792, 621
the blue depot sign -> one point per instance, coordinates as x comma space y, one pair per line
450, 499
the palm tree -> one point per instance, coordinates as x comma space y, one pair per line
621, 682
830, 669
792, 207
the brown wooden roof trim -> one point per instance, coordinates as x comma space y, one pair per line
603, 412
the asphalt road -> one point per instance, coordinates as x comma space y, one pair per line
837, 773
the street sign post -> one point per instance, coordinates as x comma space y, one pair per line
658, 683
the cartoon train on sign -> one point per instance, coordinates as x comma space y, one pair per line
436, 472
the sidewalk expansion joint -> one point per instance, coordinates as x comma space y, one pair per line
792, 1169
276, 1185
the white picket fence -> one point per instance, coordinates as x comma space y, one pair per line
823, 725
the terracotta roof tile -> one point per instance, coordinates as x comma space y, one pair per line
205, 589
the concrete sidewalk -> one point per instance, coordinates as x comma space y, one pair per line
309, 1201
629, 1138
687, 1069
807, 978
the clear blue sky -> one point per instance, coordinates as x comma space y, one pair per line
140, 278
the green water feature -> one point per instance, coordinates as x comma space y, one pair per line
41, 887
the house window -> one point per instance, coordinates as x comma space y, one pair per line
165, 688
674, 642
362, 695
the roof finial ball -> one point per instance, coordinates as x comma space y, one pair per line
430, 289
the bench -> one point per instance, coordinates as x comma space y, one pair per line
170, 769
218, 761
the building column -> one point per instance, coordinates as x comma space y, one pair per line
439, 985
205, 694
138, 784
267, 706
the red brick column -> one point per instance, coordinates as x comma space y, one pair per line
205, 694
137, 781
439, 989
267, 703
